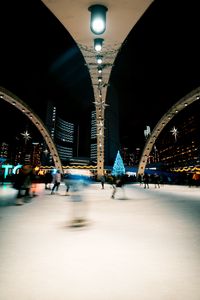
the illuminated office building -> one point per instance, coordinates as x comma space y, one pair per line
36, 154
4, 150
181, 147
64, 139
62, 132
112, 128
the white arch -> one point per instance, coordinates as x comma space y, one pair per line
26, 110
176, 108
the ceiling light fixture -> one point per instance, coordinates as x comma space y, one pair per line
98, 18
98, 44
99, 69
99, 79
99, 59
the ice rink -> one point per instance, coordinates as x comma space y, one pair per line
143, 245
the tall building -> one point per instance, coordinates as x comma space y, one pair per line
36, 154
50, 123
64, 139
4, 150
111, 131
63, 134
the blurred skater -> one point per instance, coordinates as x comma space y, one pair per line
56, 182
118, 183
79, 206
103, 179
48, 180
23, 182
146, 181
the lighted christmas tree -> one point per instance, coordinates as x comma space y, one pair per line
118, 167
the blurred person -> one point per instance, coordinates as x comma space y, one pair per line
1, 177
196, 179
66, 180
77, 184
146, 181
140, 179
113, 183
102, 179
118, 183
18, 182
23, 182
189, 179
56, 181
34, 180
156, 180
48, 180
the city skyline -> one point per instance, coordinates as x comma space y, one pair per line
157, 65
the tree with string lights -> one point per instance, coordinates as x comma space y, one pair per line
118, 167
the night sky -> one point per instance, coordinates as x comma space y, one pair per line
157, 65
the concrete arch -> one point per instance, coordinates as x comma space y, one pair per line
75, 17
176, 108
26, 110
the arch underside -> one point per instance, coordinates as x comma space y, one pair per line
100, 92
121, 17
167, 117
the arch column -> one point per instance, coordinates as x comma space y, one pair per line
121, 17
26, 110
173, 111
100, 92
